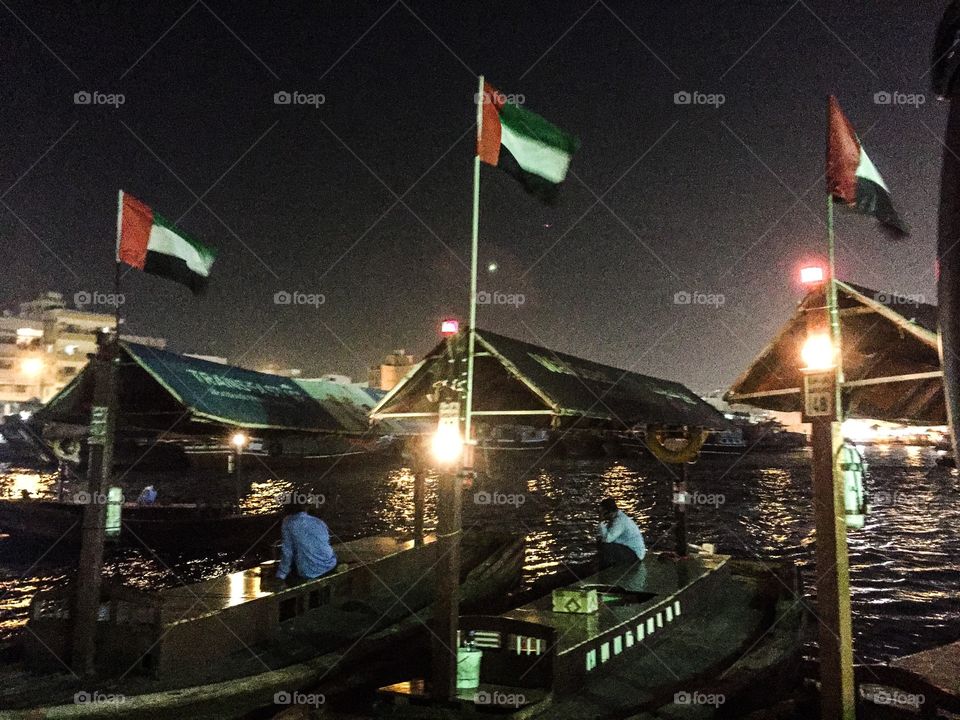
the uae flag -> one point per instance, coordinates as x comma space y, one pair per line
853, 179
149, 242
534, 151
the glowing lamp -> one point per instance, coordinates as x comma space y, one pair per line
817, 352
447, 444
239, 440
811, 275
32, 366
449, 328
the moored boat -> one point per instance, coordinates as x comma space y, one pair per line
158, 527
666, 633
224, 647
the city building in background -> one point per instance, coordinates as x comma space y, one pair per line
44, 345
391, 370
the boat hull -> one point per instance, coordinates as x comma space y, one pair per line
156, 527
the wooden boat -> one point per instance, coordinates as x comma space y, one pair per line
159, 527
224, 647
666, 632
923, 684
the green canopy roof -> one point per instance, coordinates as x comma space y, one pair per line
517, 381
167, 392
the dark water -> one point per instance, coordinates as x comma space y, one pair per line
905, 565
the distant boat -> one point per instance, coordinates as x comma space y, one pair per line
159, 527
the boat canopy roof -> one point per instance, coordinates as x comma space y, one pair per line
891, 363
521, 383
177, 394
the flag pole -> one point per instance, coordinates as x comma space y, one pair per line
446, 642
117, 269
474, 252
837, 688
832, 304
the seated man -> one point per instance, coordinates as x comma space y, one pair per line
148, 496
305, 547
620, 540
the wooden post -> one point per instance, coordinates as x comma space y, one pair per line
102, 426
837, 696
447, 615
822, 408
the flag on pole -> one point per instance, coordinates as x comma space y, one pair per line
149, 242
853, 179
534, 151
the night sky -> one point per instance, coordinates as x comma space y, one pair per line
365, 199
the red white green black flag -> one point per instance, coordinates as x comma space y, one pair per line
149, 242
853, 179
520, 142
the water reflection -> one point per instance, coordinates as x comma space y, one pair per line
904, 563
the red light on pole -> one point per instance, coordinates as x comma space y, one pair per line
449, 328
812, 275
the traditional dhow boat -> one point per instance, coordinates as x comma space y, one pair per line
172, 404
224, 647
662, 634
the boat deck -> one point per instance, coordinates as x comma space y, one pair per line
188, 602
692, 607
658, 581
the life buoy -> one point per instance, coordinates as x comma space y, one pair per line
680, 450
852, 469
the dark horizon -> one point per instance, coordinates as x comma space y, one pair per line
663, 198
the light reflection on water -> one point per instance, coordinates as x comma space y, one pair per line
904, 565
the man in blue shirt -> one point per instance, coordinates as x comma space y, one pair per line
620, 540
305, 547
148, 496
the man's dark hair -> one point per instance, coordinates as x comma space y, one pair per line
608, 505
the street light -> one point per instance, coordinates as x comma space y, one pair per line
812, 275
449, 328
447, 444
817, 353
239, 440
